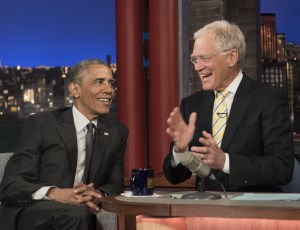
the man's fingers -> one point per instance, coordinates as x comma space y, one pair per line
91, 192
208, 137
92, 206
81, 188
76, 200
192, 119
91, 185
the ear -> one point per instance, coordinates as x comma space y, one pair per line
233, 56
74, 90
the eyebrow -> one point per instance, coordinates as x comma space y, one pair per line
104, 79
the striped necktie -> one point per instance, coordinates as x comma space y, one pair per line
219, 117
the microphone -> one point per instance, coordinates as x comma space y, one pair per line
196, 165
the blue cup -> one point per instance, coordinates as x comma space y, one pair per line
141, 182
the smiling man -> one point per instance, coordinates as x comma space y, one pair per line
237, 126
67, 159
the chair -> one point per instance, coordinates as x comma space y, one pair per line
3, 160
106, 220
294, 185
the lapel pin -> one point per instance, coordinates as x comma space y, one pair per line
105, 133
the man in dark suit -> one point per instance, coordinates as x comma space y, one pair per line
46, 184
255, 152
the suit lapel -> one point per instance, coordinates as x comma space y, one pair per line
239, 106
102, 139
66, 130
205, 110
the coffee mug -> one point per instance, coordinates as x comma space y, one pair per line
141, 182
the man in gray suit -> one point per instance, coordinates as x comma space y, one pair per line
255, 150
46, 184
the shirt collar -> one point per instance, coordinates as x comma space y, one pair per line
80, 120
232, 88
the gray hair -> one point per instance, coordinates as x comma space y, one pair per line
228, 36
77, 71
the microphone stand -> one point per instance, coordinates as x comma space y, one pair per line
202, 195
197, 166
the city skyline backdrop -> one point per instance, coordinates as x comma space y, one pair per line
60, 33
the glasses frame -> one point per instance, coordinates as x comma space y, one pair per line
205, 59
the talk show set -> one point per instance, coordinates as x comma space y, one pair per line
194, 127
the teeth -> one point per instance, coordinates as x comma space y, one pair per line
104, 99
203, 75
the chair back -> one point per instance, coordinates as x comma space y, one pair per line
3, 160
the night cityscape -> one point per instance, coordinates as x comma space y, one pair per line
32, 90
28, 90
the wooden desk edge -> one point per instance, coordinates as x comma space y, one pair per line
111, 204
250, 212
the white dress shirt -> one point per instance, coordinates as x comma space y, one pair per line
80, 125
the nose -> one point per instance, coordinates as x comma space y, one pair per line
199, 66
108, 88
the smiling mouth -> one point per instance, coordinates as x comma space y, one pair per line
104, 99
204, 75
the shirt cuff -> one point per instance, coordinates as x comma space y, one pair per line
176, 158
226, 168
40, 194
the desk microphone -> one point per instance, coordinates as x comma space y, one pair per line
196, 165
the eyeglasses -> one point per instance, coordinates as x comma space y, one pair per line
204, 59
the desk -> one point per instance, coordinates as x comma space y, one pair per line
128, 208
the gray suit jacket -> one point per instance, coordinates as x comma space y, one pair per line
258, 138
47, 155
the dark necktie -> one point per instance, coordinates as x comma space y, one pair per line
89, 141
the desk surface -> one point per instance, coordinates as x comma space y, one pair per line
226, 208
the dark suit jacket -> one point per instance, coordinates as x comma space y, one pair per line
47, 155
258, 138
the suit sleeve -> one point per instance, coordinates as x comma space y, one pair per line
22, 168
180, 173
